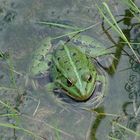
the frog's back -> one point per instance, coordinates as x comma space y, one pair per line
69, 58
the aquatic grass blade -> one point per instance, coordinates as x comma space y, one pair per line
59, 25
127, 129
76, 30
133, 8
8, 115
9, 107
115, 26
132, 5
7, 125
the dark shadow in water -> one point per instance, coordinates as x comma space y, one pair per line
132, 120
130, 108
96, 123
127, 20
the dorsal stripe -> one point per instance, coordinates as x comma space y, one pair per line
73, 66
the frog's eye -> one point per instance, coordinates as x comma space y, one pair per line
69, 83
87, 77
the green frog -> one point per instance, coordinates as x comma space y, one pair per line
72, 66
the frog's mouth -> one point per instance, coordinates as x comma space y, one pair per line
96, 95
77, 94
77, 100
92, 101
64, 94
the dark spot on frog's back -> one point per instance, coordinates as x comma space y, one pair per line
44, 45
57, 70
74, 54
79, 69
49, 63
68, 69
65, 62
58, 58
77, 61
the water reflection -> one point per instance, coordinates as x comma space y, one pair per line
96, 123
131, 108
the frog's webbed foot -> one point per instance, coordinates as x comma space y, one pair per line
30, 82
55, 95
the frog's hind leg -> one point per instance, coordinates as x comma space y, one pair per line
40, 63
90, 46
41, 60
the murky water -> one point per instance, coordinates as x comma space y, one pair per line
45, 116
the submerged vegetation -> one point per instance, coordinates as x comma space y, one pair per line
22, 112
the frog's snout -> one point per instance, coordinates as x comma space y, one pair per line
84, 95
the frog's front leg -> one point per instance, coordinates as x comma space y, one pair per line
51, 88
102, 83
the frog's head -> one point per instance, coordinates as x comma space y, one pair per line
79, 89
74, 72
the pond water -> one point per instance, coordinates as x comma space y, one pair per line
27, 112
